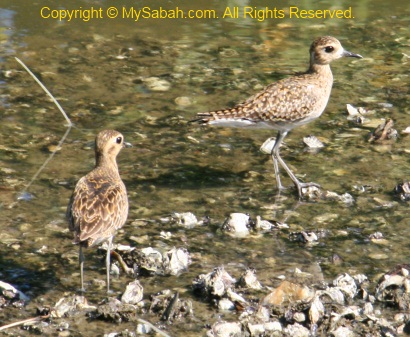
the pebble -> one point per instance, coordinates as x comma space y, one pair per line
183, 101
157, 84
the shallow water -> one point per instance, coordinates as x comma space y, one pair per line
98, 70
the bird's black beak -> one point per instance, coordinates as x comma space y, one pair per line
127, 144
349, 54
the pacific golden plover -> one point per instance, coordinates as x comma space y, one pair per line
288, 103
99, 203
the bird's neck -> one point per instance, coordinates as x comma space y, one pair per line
320, 69
107, 162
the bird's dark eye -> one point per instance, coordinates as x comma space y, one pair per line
119, 140
329, 49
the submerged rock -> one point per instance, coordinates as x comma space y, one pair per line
403, 191
156, 84
308, 237
384, 133
116, 311
288, 293
170, 306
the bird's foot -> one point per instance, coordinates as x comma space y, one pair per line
118, 257
308, 190
307, 185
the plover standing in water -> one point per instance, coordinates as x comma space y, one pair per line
99, 203
288, 103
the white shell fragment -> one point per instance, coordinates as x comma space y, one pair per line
360, 278
351, 110
114, 269
311, 192
233, 296
267, 146
153, 255
10, 292
133, 293
237, 224
297, 330
249, 280
342, 331
171, 262
344, 198
143, 329
317, 310
368, 308
214, 283
312, 142
186, 219
266, 225
308, 237
356, 114
263, 224
335, 294
393, 280
176, 261
347, 284
273, 326
165, 235
226, 305
225, 329
70, 304
256, 329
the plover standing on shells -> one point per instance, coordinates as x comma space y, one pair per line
288, 103
99, 203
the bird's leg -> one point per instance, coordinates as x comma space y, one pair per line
275, 155
107, 262
277, 176
81, 261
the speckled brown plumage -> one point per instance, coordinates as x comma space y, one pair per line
99, 203
288, 103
